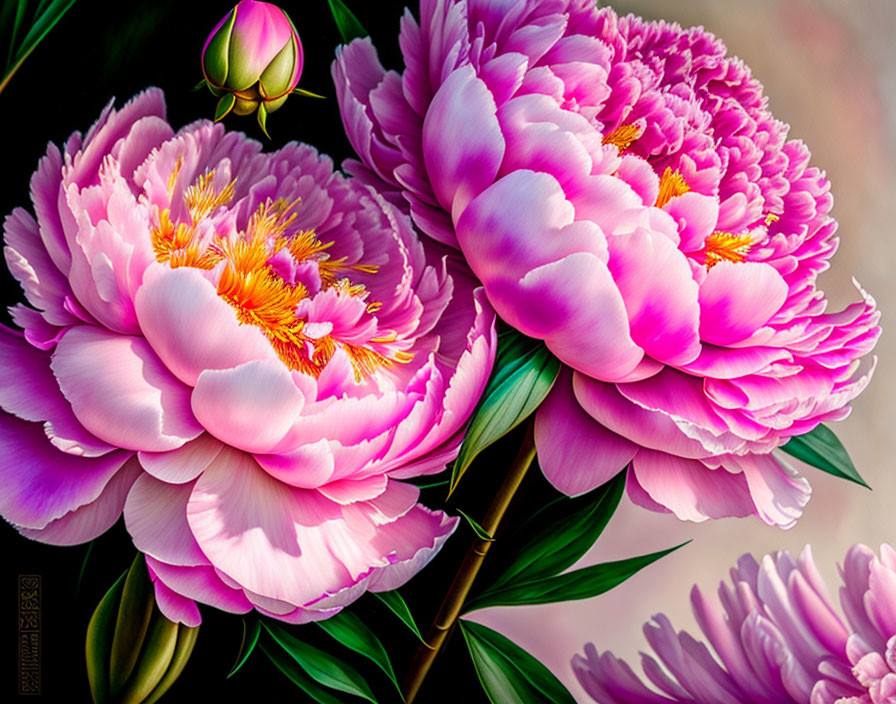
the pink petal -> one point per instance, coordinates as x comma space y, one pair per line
652, 429
175, 607
40, 483
575, 452
191, 328
201, 584
251, 407
91, 520
777, 490
156, 517
690, 489
738, 299
121, 392
183, 464
660, 295
462, 142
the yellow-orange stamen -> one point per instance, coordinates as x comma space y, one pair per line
260, 296
725, 247
672, 184
771, 218
622, 137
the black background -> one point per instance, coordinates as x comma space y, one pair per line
105, 49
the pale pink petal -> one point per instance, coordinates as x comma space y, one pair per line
175, 607
156, 517
202, 584
191, 328
183, 464
251, 406
121, 392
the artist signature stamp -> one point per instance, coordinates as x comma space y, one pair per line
29, 596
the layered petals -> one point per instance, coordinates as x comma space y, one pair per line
237, 350
623, 193
777, 639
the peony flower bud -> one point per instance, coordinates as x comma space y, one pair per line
134, 654
252, 60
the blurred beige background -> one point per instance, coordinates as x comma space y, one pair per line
829, 68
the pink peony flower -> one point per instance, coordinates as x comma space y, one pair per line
623, 193
244, 352
779, 640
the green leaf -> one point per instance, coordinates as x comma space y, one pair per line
480, 532
100, 632
224, 106
155, 658
322, 667
821, 449
558, 535
83, 568
397, 605
426, 482
578, 584
348, 24
508, 674
308, 93
524, 372
251, 631
43, 23
134, 614
297, 676
186, 639
349, 630
262, 117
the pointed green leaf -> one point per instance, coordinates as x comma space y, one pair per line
426, 482
83, 567
251, 631
134, 614
823, 450
262, 117
322, 667
225, 105
42, 26
21, 5
558, 535
349, 630
508, 674
155, 658
308, 93
186, 639
348, 24
100, 632
199, 86
480, 532
523, 375
578, 584
297, 676
397, 605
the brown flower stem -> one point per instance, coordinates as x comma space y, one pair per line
463, 580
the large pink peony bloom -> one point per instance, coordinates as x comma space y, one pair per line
624, 194
241, 351
777, 640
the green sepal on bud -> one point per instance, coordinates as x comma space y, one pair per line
134, 654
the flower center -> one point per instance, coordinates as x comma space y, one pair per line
279, 279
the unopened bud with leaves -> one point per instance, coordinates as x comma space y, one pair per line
252, 60
134, 654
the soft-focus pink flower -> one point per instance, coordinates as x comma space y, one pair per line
777, 640
243, 352
624, 194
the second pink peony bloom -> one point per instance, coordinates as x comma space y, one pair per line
624, 194
242, 352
